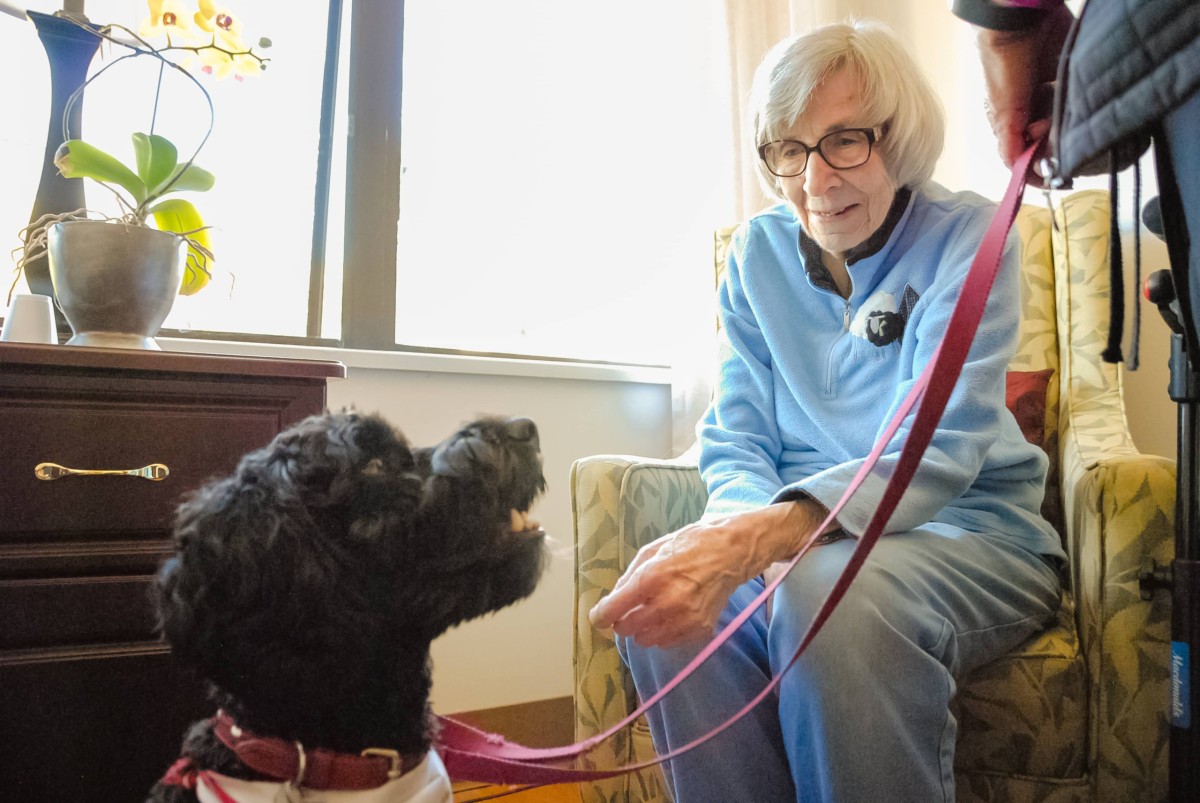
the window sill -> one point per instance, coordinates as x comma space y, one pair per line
433, 363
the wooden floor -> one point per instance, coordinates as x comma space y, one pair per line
542, 723
560, 793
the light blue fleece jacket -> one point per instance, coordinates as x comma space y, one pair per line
808, 380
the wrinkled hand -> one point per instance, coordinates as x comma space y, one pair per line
676, 587
1019, 68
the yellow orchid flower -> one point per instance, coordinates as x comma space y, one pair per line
226, 29
222, 23
168, 18
220, 65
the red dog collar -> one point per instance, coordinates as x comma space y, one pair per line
313, 769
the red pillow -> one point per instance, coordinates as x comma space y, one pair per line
1025, 397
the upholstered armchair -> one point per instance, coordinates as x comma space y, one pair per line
1078, 713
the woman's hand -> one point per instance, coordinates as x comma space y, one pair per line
677, 586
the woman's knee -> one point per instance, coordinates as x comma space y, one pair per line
806, 589
877, 615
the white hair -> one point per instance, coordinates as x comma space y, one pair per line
896, 95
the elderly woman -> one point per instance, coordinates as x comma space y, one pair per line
833, 303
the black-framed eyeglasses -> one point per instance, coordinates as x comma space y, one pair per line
841, 150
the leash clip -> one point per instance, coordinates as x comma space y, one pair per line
1051, 176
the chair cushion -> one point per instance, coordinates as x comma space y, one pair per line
1026, 712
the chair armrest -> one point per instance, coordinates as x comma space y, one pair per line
1121, 510
619, 503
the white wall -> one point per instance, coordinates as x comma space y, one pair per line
1152, 416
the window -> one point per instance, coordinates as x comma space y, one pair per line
557, 174
262, 149
561, 171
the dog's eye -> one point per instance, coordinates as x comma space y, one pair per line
481, 435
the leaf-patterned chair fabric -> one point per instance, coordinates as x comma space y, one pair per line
1078, 713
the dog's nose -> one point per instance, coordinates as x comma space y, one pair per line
521, 429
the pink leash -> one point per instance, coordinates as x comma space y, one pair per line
471, 754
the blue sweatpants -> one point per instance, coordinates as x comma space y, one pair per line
864, 715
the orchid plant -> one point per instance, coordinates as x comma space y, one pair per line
210, 41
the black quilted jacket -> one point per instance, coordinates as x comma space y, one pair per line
1127, 63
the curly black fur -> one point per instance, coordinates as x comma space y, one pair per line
307, 586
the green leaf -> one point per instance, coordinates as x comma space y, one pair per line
179, 216
191, 178
156, 158
77, 159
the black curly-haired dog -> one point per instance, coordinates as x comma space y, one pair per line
307, 586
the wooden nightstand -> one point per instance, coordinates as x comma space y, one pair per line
92, 706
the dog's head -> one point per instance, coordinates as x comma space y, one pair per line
334, 555
482, 479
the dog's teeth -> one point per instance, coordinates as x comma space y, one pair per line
521, 523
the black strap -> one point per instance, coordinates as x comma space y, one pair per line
1116, 269
1135, 338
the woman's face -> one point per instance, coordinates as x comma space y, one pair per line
838, 208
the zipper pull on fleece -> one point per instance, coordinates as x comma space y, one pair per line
846, 317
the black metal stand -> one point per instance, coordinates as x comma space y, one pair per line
1182, 576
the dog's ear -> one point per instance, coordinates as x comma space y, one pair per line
332, 497
336, 460
383, 489
213, 538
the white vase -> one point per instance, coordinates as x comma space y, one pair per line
115, 283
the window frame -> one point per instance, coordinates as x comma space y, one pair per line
372, 175
373, 166
372, 201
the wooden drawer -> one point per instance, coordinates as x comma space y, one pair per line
77, 558
99, 727
57, 612
93, 706
194, 444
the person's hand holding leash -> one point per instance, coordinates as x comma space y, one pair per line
677, 585
1019, 68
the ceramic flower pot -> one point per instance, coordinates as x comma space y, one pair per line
115, 283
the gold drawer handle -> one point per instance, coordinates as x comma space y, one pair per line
53, 471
